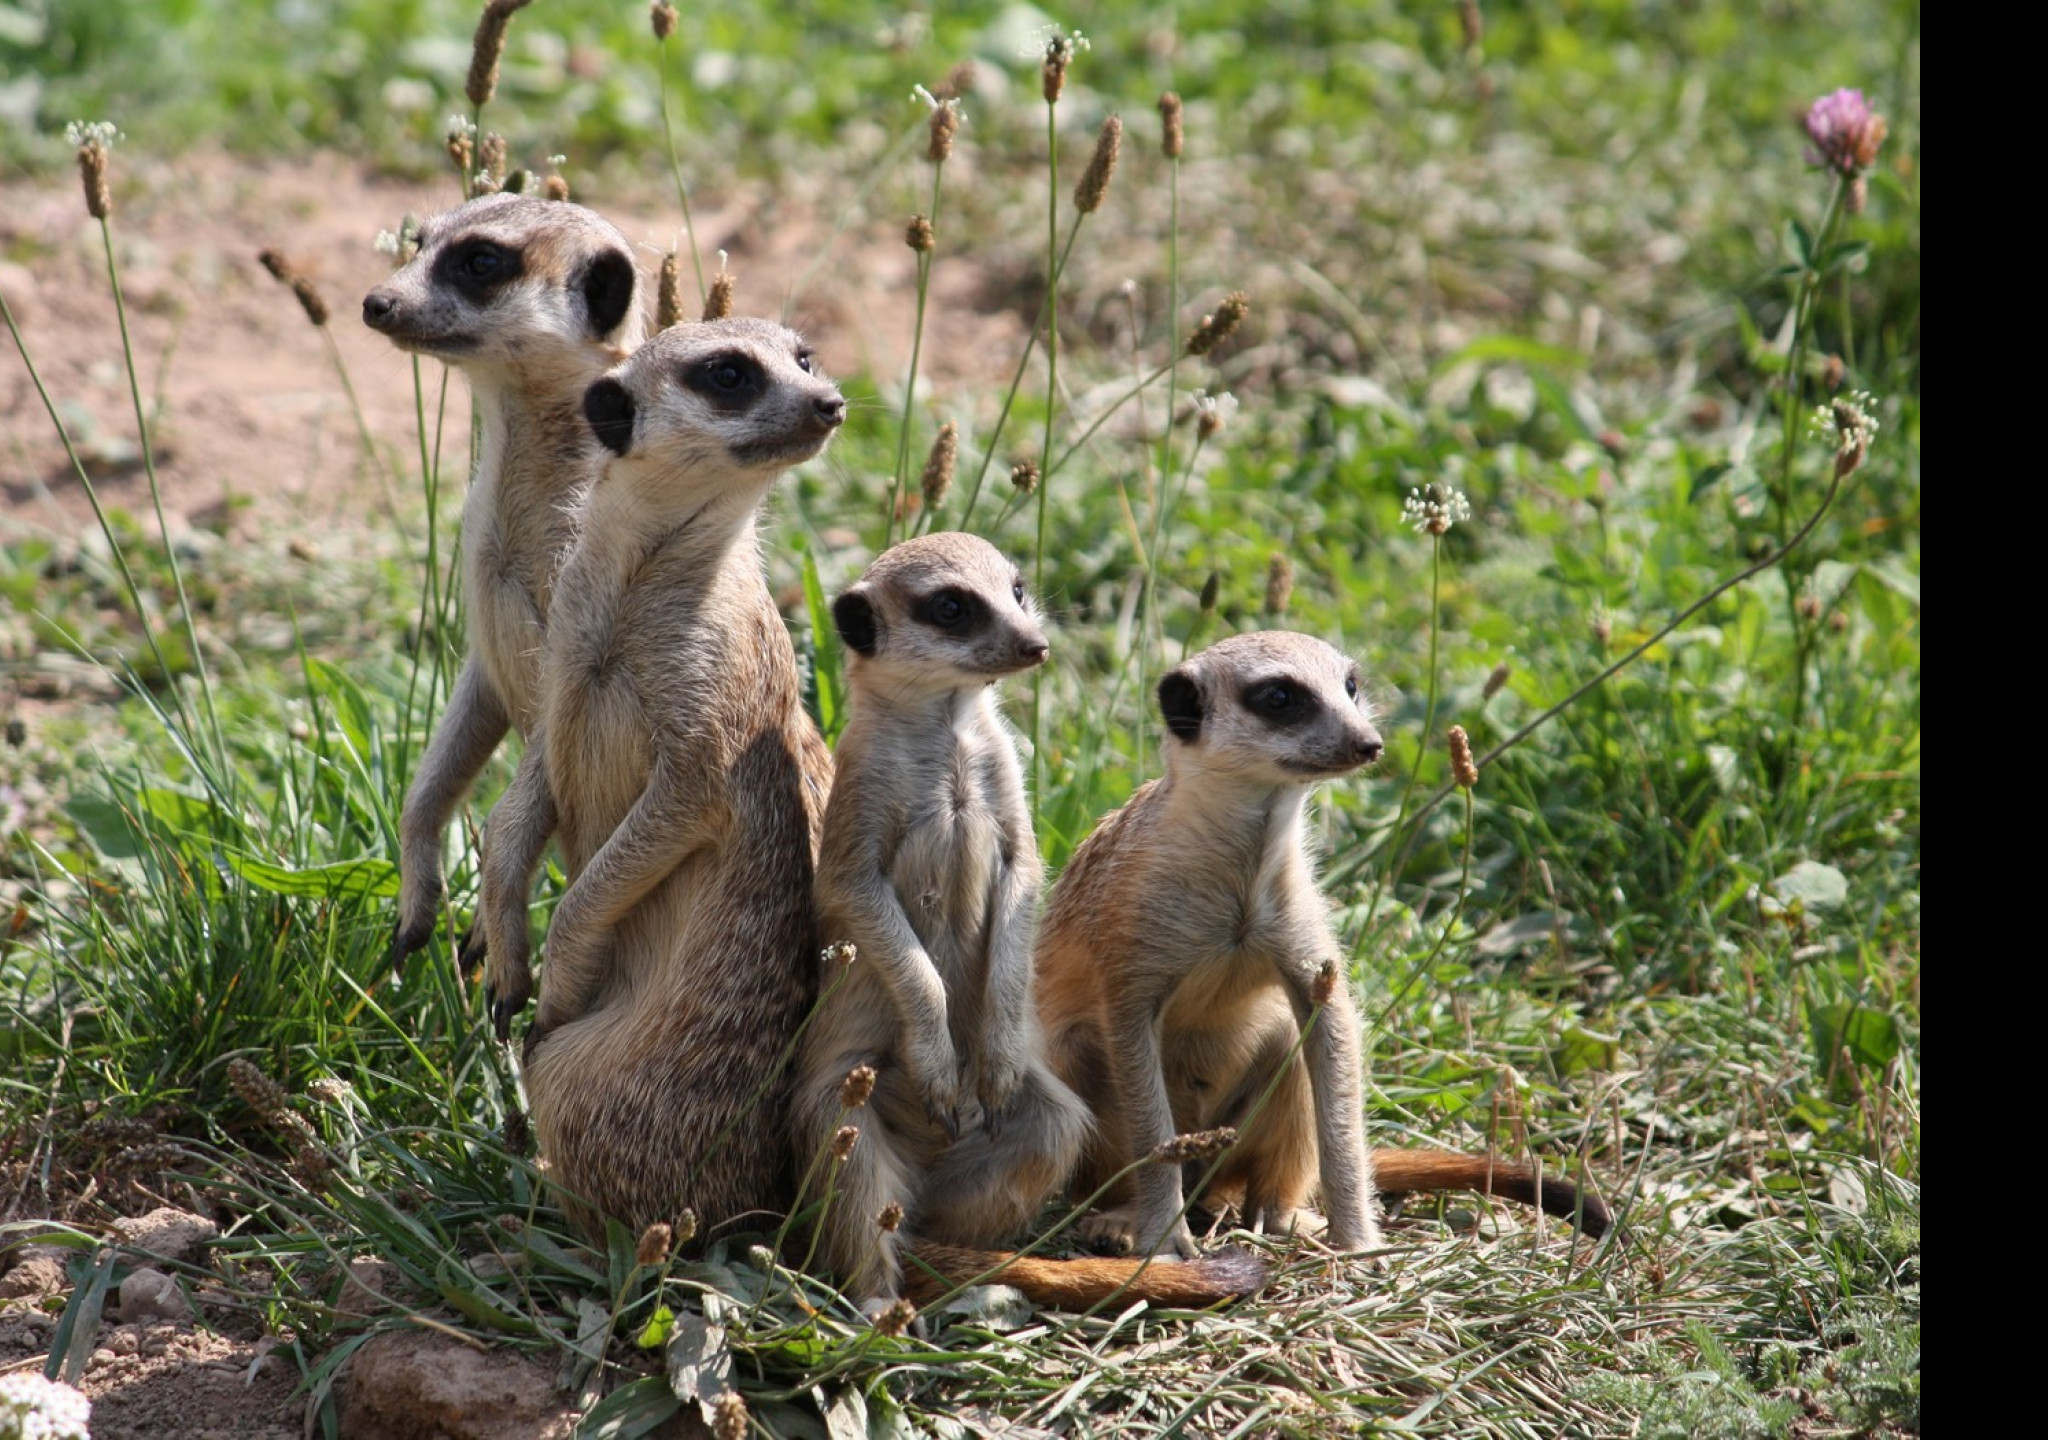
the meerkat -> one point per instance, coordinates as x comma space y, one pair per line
1186, 949
532, 300
686, 785
929, 866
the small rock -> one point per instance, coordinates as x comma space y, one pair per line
167, 1232
406, 1385
124, 1341
36, 1276
152, 1295
367, 1290
101, 1357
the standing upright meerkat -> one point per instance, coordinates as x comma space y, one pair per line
929, 866
532, 300
1186, 949
687, 786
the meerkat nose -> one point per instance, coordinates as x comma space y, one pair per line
380, 309
1366, 747
1033, 652
831, 408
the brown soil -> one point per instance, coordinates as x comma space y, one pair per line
252, 410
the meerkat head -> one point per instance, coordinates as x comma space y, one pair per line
1272, 707
940, 612
708, 403
516, 283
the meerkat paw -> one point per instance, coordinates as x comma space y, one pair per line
508, 985
936, 1078
417, 916
996, 1090
1362, 1233
1281, 1220
1124, 1231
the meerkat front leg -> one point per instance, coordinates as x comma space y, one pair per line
1331, 1050
881, 931
470, 729
667, 824
1153, 1223
515, 837
1008, 1027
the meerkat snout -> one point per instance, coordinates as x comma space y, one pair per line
943, 611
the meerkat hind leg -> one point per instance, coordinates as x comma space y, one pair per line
989, 1185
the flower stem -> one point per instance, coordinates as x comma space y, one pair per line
1054, 261
1436, 556
675, 170
156, 500
924, 280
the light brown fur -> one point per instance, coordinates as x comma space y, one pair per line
1178, 967
930, 868
687, 786
554, 307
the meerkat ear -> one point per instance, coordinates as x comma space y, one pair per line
609, 409
606, 281
1180, 701
856, 622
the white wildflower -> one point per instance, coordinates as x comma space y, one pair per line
1213, 412
32, 1408
91, 132
1054, 42
1435, 508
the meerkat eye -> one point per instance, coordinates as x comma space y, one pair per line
483, 261
1351, 686
1017, 590
953, 610
803, 361
1281, 702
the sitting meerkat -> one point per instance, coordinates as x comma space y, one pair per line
929, 866
532, 300
1186, 948
687, 786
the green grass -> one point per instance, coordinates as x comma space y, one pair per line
1550, 274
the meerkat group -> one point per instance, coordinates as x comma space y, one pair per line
1186, 972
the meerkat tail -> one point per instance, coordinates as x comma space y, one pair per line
929, 1271
1405, 1171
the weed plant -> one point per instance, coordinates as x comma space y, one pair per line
1632, 542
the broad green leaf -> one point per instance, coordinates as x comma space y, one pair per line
354, 879
630, 1411
698, 1360
1512, 347
474, 1299
1870, 1036
660, 1325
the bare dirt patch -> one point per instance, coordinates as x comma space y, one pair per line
252, 414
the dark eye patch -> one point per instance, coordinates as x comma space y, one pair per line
478, 268
1282, 703
953, 610
731, 380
